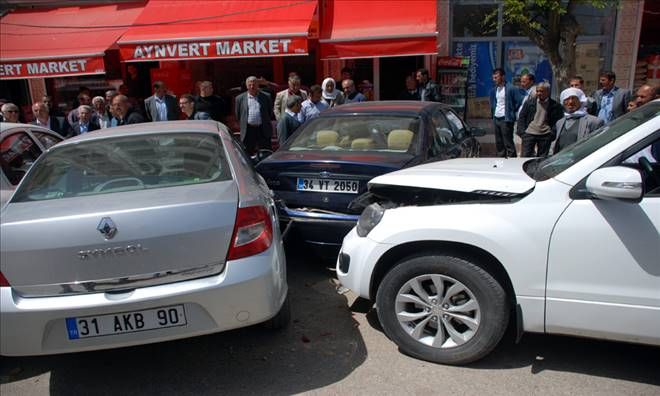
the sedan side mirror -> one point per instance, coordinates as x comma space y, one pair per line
261, 155
617, 182
476, 131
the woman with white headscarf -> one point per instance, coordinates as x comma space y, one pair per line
331, 95
576, 124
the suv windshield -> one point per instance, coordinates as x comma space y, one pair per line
125, 164
357, 133
544, 168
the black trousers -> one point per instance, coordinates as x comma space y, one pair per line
254, 138
536, 145
504, 138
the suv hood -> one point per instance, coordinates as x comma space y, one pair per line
465, 175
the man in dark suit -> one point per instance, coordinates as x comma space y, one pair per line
123, 113
85, 122
43, 118
611, 101
161, 106
429, 91
254, 111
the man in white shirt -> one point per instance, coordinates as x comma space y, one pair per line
527, 81
253, 110
504, 103
161, 106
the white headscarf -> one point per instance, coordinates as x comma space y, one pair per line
329, 95
567, 93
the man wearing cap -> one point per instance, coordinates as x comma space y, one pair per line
576, 124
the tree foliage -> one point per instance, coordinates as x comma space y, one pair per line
553, 27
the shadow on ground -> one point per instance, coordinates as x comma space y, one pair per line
629, 362
321, 346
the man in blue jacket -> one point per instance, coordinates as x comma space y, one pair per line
505, 100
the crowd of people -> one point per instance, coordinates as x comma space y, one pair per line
545, 125
527, 110
254, 110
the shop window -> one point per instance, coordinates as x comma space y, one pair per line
474, 20
594, 21
589, 61
482, 62
521, 57
305, 66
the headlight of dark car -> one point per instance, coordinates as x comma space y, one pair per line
369, 219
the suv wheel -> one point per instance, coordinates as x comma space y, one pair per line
442, 309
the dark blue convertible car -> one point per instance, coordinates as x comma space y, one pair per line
326, 164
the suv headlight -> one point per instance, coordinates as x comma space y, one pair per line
369, 219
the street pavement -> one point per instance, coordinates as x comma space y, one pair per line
334, 346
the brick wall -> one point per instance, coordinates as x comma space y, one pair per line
626, 41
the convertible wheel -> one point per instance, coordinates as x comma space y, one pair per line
442, 309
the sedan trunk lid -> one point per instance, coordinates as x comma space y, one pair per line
117, 241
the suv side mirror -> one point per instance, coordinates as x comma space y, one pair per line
616, 182
476, 131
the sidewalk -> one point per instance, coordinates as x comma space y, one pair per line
488, 141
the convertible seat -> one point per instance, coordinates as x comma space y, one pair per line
399, 139
362, 144
326, 138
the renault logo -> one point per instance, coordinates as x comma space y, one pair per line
107, 228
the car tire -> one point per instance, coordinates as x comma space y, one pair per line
282, 319
459, 325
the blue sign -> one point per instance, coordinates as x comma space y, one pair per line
482, 62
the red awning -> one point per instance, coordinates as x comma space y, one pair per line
375, 28
176, 30
64, 41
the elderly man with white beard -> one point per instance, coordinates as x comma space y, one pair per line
576, 124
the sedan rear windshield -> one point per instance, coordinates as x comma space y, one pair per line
357, 133
125, 164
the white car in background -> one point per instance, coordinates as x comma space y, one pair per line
453, 252
20, 146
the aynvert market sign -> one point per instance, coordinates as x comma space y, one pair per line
40, 68
213, 49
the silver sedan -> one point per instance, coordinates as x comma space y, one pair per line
135, 235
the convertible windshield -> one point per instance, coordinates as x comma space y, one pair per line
125, 164
543, 169
357, 133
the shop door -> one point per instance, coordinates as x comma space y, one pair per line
393, 72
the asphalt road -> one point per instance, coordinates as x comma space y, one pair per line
334, 346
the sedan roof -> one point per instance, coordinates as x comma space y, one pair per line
402, 107
149, 128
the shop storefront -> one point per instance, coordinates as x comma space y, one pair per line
476, 33
57, 50
381, 42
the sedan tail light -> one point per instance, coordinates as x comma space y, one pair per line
3, 281
253, 232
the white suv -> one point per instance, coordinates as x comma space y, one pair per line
453, 252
